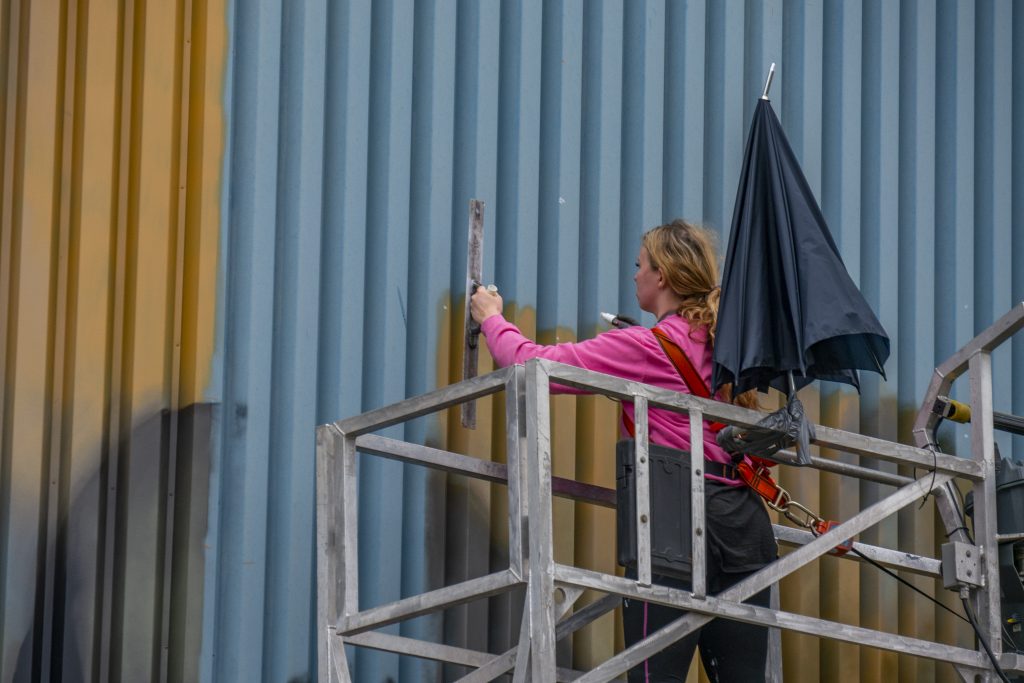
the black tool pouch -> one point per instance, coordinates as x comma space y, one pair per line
671, 550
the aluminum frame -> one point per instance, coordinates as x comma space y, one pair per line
974, 358
552, 588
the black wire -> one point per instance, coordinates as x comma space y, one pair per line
933, 446
984, 643
968, 619
960, 507
1007, 636
908, 584
960, 528
935, 466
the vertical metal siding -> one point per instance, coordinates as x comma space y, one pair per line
108, 233
296, 311
601, 162
334, 254
878, 281
1014, 203
243, 452
580, 124
431, 197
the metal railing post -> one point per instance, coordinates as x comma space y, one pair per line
698, 563
540, 589
985, 521
642, 469
332, 554
326, 553
515, 440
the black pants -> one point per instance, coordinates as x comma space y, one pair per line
740, 540
730, 650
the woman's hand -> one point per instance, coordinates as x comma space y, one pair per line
485, 303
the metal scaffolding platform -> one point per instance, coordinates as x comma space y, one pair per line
553, 588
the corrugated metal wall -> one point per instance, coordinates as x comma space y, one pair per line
109, 231
580, 124
206, 252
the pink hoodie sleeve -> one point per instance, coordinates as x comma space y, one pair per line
633, 353
622, 353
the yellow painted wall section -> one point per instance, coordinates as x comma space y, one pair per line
112, 144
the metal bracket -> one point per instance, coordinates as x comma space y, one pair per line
961, 565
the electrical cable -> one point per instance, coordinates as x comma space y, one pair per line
960, 509
984, 643
960, 506
1008, 637
935, 466
908, 584
969, 619
957, 502
963, 503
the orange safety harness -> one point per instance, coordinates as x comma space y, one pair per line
755, 473
778, 499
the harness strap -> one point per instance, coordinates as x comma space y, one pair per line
693, 381
758, 477
761, 481
683, 365
691, 378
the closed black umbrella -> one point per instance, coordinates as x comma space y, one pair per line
789, 311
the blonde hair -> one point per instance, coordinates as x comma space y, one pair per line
686, 256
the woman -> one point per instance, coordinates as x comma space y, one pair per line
676, 280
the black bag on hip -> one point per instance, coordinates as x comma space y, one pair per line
669, 496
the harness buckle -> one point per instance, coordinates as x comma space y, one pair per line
823, 527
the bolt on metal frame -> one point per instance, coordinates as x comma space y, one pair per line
552, 588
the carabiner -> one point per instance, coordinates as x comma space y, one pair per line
809, 520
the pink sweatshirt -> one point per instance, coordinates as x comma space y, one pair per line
632, 353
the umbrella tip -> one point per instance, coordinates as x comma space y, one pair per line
768, 83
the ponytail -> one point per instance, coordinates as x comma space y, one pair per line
686, 256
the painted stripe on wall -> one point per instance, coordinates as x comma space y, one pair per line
109, 230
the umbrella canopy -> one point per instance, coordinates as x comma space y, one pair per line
787, 303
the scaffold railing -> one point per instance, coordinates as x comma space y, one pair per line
552, 588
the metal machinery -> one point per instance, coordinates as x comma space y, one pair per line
971, 565
996, 505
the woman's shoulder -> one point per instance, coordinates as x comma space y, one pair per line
680, 329
635, 334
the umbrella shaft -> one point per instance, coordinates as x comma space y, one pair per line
768, 83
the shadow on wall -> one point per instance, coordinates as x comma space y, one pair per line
117, 600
